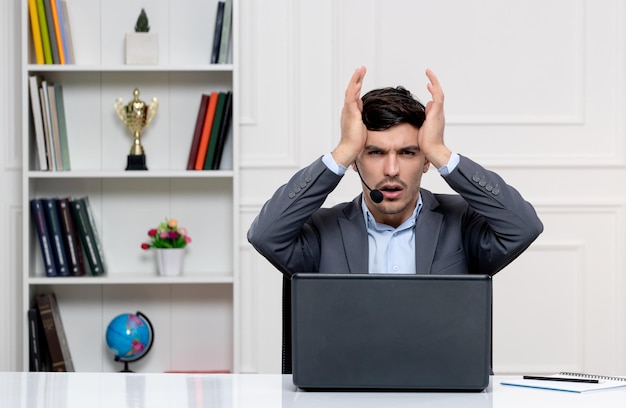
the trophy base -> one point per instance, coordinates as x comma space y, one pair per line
136, 162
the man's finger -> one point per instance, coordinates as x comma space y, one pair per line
354, 87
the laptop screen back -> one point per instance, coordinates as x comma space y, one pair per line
362, 331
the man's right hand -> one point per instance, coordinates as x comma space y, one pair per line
353, 131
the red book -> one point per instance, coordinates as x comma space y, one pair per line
206, 131
195, 143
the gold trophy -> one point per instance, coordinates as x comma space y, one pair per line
136, 116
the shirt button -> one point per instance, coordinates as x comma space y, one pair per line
395, 267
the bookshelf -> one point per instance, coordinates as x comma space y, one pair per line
195, 314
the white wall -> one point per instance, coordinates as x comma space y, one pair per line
535, 90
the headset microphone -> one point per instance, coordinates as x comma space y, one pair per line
375, 195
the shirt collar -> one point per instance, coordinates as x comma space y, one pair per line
371, 224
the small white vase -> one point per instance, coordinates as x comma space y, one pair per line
170, 261
142, 49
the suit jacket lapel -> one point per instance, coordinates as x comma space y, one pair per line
354, 237
426, 233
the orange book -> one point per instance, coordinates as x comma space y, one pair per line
206, 131
57, 31
36, 31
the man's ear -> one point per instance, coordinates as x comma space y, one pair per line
426, 166
353, 165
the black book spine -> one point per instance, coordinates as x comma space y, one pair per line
217, 34
39, 218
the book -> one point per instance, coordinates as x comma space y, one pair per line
62, 127
215, 128
35, 30
56, 236
226, 32
47, 125
568, 382
197, 133
224, 129
88, 235
34, 82
63, 31
39, 219
68, 33
33, 342
217, 32
94, 228
45, 37
57, 30
206, 131
51, 33
38, 346
54, 126
58, 346
71, 240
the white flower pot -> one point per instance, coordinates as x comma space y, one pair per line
142, 49
170, 261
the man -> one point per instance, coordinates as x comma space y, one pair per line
391, 140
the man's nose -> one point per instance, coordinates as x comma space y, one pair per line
392, 168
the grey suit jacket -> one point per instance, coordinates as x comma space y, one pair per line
479, 230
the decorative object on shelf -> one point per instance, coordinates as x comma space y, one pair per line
136, 116
170, 241
129, 337
170, 261
142, 47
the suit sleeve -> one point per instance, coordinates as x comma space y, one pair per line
280, 232
500, 224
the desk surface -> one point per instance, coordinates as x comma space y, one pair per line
69, 390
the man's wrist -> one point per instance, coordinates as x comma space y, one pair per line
450, 165
332, 165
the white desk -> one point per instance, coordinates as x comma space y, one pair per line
120, 390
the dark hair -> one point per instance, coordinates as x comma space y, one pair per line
387, 107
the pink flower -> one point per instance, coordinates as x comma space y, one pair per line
167, 235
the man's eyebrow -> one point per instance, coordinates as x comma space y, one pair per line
403, 148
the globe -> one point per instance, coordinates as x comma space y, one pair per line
129, 337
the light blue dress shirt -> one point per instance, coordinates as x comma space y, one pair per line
391, 250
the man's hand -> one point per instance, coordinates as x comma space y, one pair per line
353, 132
430, 135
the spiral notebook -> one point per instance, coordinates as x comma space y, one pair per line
561, 382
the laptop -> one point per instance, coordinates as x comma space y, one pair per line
394, 332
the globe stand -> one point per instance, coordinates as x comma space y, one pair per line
125, 369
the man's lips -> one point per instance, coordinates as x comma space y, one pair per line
391, 191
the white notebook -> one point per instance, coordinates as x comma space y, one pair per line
566, 381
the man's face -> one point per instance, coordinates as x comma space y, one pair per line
393, 163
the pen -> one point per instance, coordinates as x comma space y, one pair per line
577, 380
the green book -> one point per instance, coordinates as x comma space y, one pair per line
88, 235
45, 38
215, 130
65, 149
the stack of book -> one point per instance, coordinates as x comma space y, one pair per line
212, 127
49, 349
48, 113
51, 34
222, 33
67, 237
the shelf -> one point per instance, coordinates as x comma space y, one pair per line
36, 68
133, 280
96, 174
126, 204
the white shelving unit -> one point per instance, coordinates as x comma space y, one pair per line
194, 315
